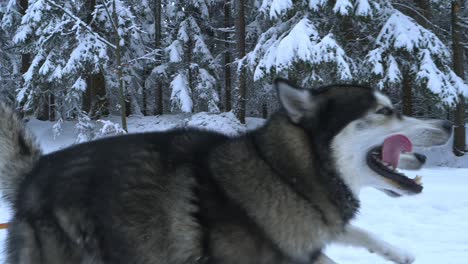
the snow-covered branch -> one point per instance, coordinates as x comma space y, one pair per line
81, 23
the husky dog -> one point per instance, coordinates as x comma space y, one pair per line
276, 195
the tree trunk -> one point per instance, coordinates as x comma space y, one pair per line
42, 112
264, 109
424, 16
459, 144
190, 72
143, 95
157, 40
118, 55
241, 53
94, 101
52, 107
95, 98
26, 57
227, 57
407, 94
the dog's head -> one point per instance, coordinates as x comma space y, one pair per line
369, 140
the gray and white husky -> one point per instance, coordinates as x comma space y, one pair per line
278, 194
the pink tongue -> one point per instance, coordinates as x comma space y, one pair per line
392, 148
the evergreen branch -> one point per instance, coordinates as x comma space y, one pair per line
225, 41
228, 30
116, 28
148, 56
421, 15
81, 23
463, 25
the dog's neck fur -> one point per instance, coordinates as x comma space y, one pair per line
285, 152
309, 156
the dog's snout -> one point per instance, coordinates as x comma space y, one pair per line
422, 158
447, 126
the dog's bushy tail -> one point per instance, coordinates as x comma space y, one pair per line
18, 152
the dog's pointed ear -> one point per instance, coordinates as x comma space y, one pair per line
297, 102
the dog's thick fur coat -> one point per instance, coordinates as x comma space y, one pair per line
274, 195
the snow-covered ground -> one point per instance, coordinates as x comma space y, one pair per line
432, 225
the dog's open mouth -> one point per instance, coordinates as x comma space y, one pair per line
384, 159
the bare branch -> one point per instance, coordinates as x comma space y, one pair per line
81, 23
421, 15
148, 56
228, 30
116, 28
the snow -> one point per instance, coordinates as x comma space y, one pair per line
183, 29
300, 42
278, 7
55, 137
315, 4
175, 51
181, 94
88, 50
393, 72
206, 89
79, 85
400, 39
328, 50
429, 71
34, 64
33, 15
342, 7
200, 46
375, 59
442, 156
363, 8
431, 225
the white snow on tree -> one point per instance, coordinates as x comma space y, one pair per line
181, 98
297, 40
190, 61
320, 41
67, 47
9, 58
173, 60
404, 43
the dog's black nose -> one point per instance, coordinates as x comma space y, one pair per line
422, 158
447, 126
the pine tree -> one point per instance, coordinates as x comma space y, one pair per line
298, 44
192, 65
69, 49
405, 50
10, 62
324, 41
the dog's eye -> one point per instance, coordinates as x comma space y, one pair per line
385, 111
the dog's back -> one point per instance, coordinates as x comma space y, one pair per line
122, 200
170, 197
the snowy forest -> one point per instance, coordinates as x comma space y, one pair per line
87, 59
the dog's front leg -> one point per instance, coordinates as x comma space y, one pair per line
354, 236
323, 259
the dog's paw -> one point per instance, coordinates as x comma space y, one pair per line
393, 254
399, 256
